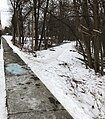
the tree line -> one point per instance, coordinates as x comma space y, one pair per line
48, 22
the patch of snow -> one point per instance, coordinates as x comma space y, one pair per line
3, 109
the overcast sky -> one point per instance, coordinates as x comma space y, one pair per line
4, 14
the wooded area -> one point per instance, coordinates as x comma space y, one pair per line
47, 22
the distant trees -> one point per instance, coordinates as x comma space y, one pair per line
46, 13
52, 21
18, 19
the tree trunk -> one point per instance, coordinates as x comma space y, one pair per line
36, 14
87, 37
96, 37
44, 22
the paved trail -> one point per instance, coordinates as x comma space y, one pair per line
27, 97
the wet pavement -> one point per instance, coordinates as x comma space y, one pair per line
27, 97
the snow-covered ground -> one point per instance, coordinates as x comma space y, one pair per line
3, 109
79, 90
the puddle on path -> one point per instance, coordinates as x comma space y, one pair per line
15, 69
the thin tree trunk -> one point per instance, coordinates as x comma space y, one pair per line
96, 38
36, 24
86, 37
43, 27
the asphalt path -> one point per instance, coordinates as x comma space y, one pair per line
26, 96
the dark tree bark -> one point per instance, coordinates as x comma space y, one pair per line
87, 37
96, 37
36, 16
44, 22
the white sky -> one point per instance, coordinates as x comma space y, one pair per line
4, 15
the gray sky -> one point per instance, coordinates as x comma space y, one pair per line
4, 15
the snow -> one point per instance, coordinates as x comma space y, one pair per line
79, 90
3, 109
